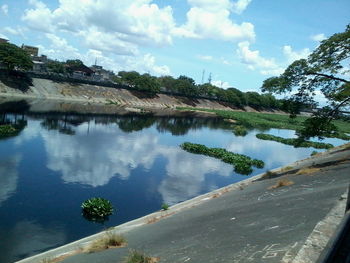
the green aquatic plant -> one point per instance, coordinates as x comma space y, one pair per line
165, 206
97, 209
240, 130
294, 141
242, 163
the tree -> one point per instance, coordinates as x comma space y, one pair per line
56, 67
325, 71
13, 57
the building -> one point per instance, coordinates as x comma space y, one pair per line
32, 51
3, 40
101, 74
39, 63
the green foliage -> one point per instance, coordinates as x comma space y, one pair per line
97, 209
242, 163
314, 153
240, 130
165, 206
295, 142
10, 130
325, 70
56, 67
14, 57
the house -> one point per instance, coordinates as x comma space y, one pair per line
101, 74
3, 40
32, 51
80, 71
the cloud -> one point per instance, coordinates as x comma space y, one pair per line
211, 19
254, 60
239, 6
221, 84
205, 57
318, 37
5, 9
292, 55
137, 22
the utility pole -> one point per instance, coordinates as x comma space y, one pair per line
209, 78
203, 76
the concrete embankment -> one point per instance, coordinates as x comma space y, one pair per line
287, 216
83, 93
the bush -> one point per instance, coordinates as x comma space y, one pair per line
97, 209
165, 206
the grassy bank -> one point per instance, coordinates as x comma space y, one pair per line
268, 120
294, 142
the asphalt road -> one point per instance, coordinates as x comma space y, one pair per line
253, 224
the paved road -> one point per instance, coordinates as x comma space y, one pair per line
254, 224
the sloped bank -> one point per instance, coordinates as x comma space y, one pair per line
85, 93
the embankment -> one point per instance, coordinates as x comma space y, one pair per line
84, 93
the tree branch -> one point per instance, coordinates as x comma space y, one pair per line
327, 76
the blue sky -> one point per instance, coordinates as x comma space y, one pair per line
239, 42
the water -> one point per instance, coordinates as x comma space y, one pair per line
60, 160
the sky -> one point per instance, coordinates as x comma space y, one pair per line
238, 43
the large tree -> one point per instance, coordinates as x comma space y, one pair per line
325, 71
13, 57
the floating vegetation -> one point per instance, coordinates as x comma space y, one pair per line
97, 209
294, 141
240, 130
9, 130
242, 163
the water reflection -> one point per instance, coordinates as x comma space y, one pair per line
27, 238
8, 176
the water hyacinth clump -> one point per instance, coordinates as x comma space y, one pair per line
97, 209
242, 163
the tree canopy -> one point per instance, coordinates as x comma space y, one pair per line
325, 71
13, 57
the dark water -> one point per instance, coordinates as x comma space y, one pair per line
60, 160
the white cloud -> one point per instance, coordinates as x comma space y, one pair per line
240, 6
221, 84
5, 9
18, 31
137, 22
254, 60
205, 57
3, 36
318, 37
292, 55
211, 19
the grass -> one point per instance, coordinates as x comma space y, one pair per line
268, 175
268, 120
281, 183
242, 163
110, 240
8, 130
308, 170
294, 141
139, 257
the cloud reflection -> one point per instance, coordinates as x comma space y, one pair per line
8, 176
27, 238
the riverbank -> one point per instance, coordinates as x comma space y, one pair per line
73, 93
256, 220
